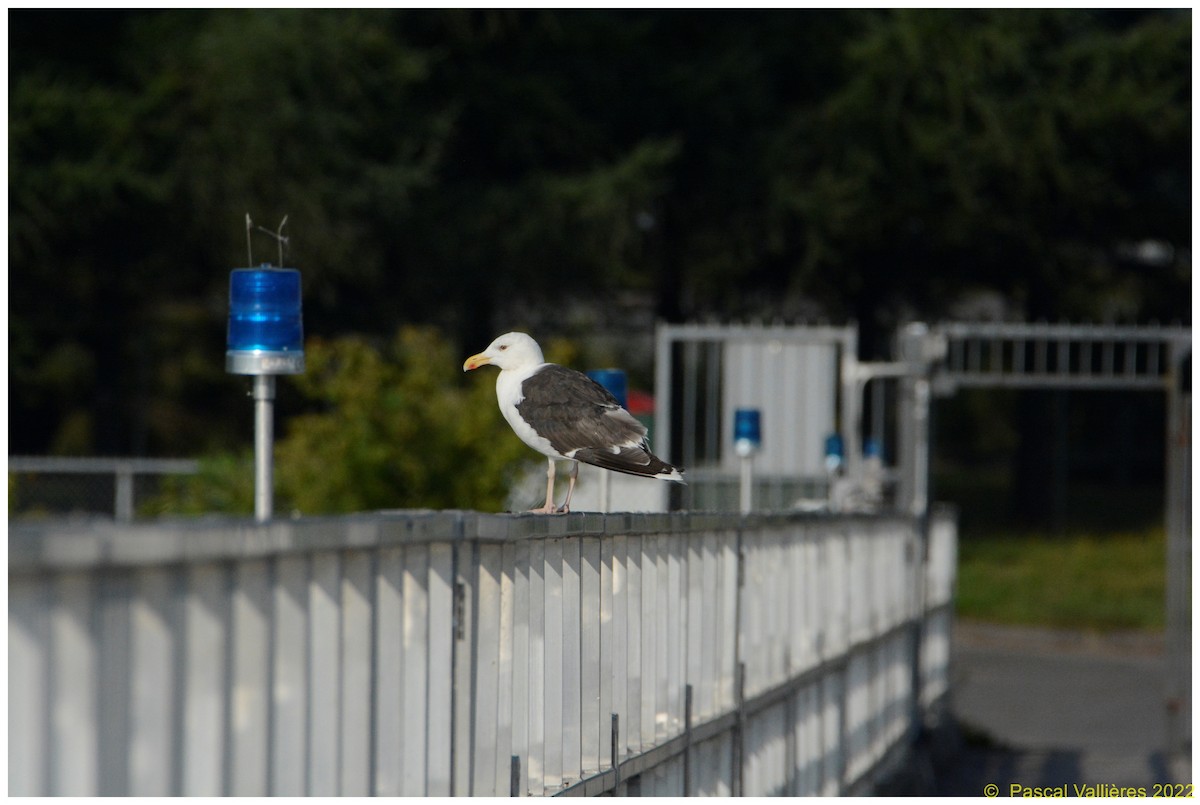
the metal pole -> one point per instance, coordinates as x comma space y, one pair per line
739, 732
920, 466
687, 731
616, 753
662, 392
912, 492
264, 434
747, 486
1179, 563
124, 493
851, 405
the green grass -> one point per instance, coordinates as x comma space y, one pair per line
1096, 582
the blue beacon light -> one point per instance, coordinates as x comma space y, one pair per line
266, 330
835, 453
747, 431
614, 381
265, 338
747, 439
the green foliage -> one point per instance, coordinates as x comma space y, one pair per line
389, 427
399, 430
224, 484
1111, 581
599, 218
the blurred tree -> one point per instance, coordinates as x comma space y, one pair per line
1001, 149
224, 484
78, 274
390, 427
440, 165
314, 115
129, 190
399, 430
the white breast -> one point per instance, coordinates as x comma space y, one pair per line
508, 395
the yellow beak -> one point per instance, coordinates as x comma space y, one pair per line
475, 361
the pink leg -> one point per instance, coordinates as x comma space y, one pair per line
548, 508
566, 507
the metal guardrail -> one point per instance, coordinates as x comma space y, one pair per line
1060, 355
85, 469
442, 653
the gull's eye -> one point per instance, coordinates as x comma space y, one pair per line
503, 347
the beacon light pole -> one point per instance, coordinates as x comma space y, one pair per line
835, 460
265, 338
614, 382
747, 440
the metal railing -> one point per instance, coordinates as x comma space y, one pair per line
89, 485
441, 653
1059, 355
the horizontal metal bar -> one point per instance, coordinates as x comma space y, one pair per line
608, 779
1053, 380
1072, 332
865, 371
706, 473
785, 689
46, 546
820, 334
91, 465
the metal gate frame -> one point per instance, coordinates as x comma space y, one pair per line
692, 337
948, 356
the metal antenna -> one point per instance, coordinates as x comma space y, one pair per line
282, 240
277, 235
249, 253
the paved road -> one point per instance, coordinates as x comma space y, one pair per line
1042, 708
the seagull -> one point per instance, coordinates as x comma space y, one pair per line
566, 416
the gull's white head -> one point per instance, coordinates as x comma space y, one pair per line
509, 351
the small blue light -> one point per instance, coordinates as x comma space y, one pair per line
747, 430
834, 452
872, 448
266, 330
613, 380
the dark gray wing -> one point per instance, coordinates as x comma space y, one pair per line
582, 420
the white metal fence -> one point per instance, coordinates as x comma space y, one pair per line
446, 653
